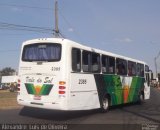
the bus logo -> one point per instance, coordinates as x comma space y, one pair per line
38, 90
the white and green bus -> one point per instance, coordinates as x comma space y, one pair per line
60, 74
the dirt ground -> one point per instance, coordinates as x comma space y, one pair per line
8, 100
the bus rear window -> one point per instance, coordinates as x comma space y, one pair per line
42, 52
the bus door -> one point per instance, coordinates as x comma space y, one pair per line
147, 83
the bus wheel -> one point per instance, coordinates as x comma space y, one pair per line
141, 98
105, 104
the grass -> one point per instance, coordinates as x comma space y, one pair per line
8, 99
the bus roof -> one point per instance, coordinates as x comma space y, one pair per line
81, 46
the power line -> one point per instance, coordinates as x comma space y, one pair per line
25, 6
4, 24
14, 34
37, 31
69, 24
24, 29
10, 26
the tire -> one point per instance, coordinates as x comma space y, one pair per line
141, 98
105, 104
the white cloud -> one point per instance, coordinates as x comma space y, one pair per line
125, 40
71, 30
15, 9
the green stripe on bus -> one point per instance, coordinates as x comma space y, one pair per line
46, 88
30, 88
121, 94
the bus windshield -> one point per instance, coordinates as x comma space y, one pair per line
42, 52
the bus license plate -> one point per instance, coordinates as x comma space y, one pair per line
37, 97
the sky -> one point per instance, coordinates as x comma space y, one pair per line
126, 27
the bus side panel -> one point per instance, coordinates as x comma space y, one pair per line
112, 86
83, 92
136, 87
101, 86
121, 89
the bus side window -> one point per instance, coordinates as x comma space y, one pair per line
140, 70
121, 66
76, 60
146, 68
131, 68
104, 64
111, 65
147, 76
108, 64
95, 62
86, 58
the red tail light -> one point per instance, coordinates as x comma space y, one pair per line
18, 89
18, 86
62, 92
62, 87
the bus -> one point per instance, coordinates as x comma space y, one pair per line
60, 74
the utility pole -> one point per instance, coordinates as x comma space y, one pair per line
156, 64
155, 60
56, 19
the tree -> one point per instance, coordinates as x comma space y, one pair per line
7, 71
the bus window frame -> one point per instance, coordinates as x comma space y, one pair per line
135, 68
141, 73
89, 61
121, 71
98, 64
76, 64
146, 68
44, 43
108, 66
147, 75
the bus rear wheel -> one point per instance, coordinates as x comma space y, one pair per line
105, 105
141, 98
